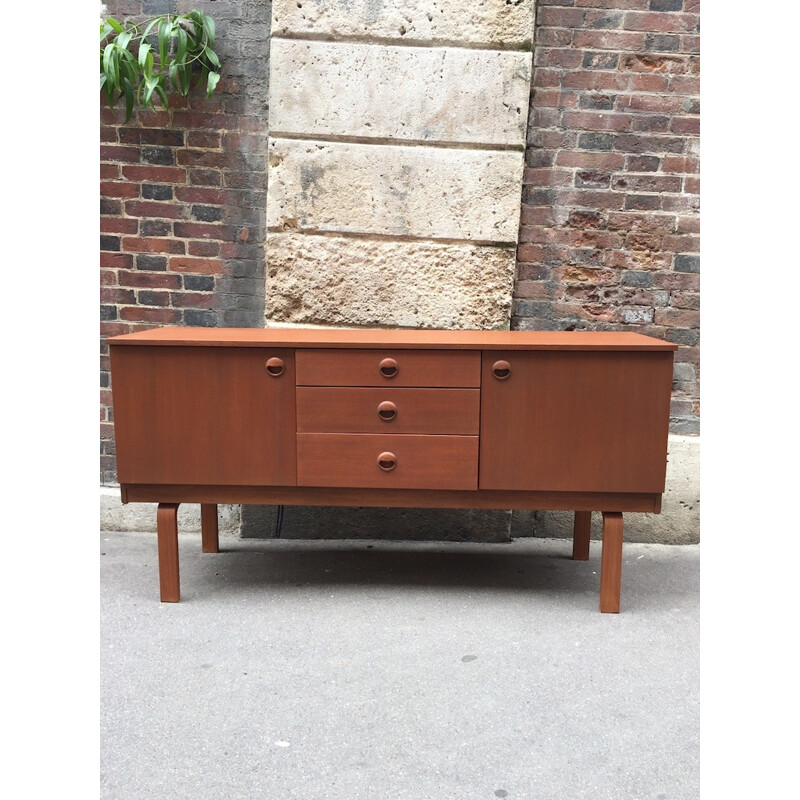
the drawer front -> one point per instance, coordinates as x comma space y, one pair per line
445, 368
327, 409
385, 462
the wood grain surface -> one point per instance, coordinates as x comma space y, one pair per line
203, 415
436, 368
351, 460
581, 422
397, 339
325, 409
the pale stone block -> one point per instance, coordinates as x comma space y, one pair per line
355, 281
429, 192
419, 93
508, 22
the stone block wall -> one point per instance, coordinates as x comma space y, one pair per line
395, 160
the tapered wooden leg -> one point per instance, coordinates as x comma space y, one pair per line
581, 534
167, 517
611, 562
208, 522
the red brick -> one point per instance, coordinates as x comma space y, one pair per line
634, 5
118, 296
597, 121
153, 174
593, 199
118, 225
688, 225
205, 177
560, 17
108, 277
681, 164
591, 79
682, 244
655, 64
643, 223
209, 140
116, 260
193, 299
677, 318
117, 154
152, 208
202, 248
582, 159
201, 194
558, 57
686, 125
646, 183
108, 133
554, 98
150, 280
109, 171
689, 300
546, 177
608, 40
160, 315
661, 22
152, 245
546, 78
649, 83
201, 230
534, 290
203, 158
202, 266
112, 189
684, 84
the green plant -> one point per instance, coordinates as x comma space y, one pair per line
173, 52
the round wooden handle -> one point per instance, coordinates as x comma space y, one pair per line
387, 410
501, 370
275, 367
387, 461
388, 368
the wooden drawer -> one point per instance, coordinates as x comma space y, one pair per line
447, 368
328, 409
411, 462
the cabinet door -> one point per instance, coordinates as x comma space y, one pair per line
575, 421
203, 415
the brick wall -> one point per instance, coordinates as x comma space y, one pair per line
609, 233
183, 197
609, 236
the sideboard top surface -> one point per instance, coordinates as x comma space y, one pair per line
395, 338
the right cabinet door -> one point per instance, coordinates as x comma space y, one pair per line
574, 421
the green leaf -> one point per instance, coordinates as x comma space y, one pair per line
210, 29
164, 28
109, 64
103, 80
114, 24
183, 42
213, 80
124, 39
144, 50
104, 31
212, 57
163, 95
150, 27
128, 98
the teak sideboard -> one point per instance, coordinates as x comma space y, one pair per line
411, 418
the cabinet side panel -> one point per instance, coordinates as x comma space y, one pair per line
197, 415
576, 421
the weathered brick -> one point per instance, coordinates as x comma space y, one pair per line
205, 266
687, 263
153, 191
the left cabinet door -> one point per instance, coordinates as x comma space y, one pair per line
204, 415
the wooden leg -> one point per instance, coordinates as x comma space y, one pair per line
581, 534
208, 522
611, 562
167, 517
